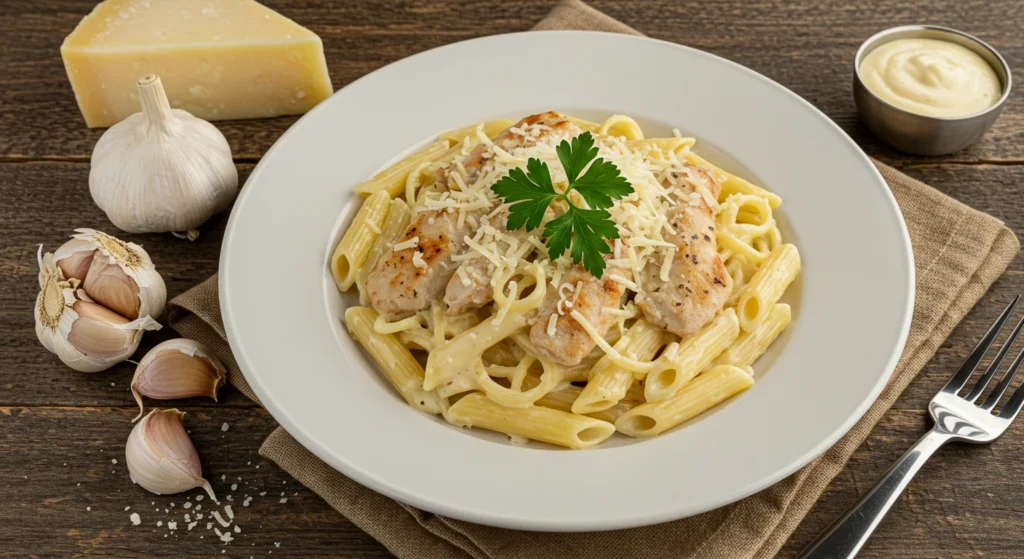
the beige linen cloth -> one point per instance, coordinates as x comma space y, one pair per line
958, 253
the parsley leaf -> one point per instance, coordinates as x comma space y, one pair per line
575, 156
584, 232
602, 183
531, 189
588, 230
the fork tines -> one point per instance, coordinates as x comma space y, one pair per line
955, 384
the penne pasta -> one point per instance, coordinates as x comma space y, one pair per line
394, 224
767, 285
351, 252
563, 397
584, 125
457, 356
751, 345
535, 423
701, 394
491, 128
609, 383
399, 366
680, 364
392, 180
733, 184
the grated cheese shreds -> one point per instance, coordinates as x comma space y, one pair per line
552, 323
623, 281
666, 265
485, 251
411, 243
417, 260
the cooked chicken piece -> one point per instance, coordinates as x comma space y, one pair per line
507, 140
459, 296
570, 342
398, 286
698, 283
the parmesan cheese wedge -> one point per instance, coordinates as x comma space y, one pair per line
218, 59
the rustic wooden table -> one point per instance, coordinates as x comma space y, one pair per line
61, 432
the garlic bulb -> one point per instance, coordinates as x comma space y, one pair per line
86, 336
160, 456
116, 274
179, 368
162, 169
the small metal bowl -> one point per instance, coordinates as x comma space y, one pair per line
919, 134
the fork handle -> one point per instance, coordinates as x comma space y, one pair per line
848, 534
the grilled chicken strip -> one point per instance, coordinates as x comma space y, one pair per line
398, 286
461, 297
698, 283
570, 342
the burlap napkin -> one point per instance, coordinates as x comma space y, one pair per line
958, 253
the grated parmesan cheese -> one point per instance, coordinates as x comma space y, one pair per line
666, 265
411, 243
417, 260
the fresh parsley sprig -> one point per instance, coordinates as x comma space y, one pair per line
585, 230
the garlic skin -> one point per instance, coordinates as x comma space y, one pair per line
85, 335
179, 368
116, 274
162, 169
161, 457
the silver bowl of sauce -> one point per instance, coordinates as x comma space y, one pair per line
929, 90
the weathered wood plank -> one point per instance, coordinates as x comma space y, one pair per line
806, 46
65, 497
952, 510
966, 502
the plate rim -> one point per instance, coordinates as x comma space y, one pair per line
490, 518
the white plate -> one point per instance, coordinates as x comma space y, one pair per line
852, 305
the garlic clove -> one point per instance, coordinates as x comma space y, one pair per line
85, 336
96, 333
162, 169
112, 290
107, 284
74, 257
161, 457
179, 368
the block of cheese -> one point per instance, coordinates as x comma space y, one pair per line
217, 59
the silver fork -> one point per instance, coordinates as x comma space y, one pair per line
957, 418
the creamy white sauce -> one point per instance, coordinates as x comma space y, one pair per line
931, 77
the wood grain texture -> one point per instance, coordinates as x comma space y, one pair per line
808, 47
969, 501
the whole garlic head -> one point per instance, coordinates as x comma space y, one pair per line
116, 274
162, 170
161, 457
86, 336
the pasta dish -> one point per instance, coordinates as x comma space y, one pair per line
559, 280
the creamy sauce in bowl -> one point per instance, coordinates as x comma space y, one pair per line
931, 78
